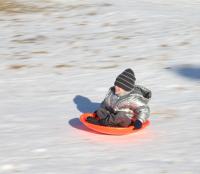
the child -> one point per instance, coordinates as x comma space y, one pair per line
124, 104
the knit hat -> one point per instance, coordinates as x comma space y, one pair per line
126, 80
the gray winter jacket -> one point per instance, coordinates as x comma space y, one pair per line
134, 104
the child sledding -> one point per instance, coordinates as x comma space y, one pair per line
125, 104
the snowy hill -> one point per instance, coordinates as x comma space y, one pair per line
57, 60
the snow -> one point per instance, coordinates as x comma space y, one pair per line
58, 59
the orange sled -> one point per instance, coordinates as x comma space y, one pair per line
109, 130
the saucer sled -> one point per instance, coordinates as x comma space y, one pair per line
109, 130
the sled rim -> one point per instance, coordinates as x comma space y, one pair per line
109, 130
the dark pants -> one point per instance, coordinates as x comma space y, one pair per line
118, 119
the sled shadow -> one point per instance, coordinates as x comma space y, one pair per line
76, 123
84, 104
188, 71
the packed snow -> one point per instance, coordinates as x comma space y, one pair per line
58, 59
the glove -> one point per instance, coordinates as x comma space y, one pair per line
137, 124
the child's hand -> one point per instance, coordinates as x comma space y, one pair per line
137, 124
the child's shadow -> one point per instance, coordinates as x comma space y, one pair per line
84, 105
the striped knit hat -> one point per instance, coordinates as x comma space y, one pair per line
126, 80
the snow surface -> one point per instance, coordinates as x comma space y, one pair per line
57, 60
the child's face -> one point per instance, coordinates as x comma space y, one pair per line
119, 91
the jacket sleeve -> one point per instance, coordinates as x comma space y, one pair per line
103, 104
142, 113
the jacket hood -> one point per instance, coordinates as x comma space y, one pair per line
146, 93
141, 92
